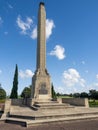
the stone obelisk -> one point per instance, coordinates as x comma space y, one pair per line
41, 84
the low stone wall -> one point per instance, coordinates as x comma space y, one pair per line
17, 101
7, 105
29, 102
76, 101
6, 108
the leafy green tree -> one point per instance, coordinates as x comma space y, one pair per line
58, 94
76, 95
84, 95
53, 92
70, 95
14, 93
2, 93
26, 93
93, 94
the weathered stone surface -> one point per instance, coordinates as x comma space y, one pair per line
41, 83
76, 101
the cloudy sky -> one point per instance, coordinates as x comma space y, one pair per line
72, 43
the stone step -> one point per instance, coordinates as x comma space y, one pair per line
30, 122
51, 105
19, 121
34, 108
79, 118
51, 116
45, 102
22, 116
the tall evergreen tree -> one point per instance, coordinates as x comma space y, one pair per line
14, 93
53, 91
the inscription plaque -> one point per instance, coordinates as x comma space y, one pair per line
43, 89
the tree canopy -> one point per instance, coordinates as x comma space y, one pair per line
26, 93
2, 93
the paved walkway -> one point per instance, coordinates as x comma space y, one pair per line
81, 125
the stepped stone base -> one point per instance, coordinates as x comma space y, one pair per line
49, 105
48, 112
26, 116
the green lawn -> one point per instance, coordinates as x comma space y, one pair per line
64, 97
93, 103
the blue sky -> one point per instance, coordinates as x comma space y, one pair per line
72, 43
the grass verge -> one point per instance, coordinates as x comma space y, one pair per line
93, 103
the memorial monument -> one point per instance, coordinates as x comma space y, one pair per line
40, 108
41, 84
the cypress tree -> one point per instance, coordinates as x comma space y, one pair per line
53, 92
14, 93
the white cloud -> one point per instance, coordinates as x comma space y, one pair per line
0, 71
60, 89
29, 21
24, 26
34, 33
82, 82
10, 6
97, 76
28, 28
86, 71
67, 90
71, 77
26, 74
49, 27
96, 84
58, 52
1, 21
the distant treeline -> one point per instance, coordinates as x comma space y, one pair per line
92, 94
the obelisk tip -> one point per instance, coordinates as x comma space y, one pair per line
42, 3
